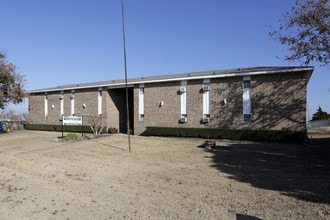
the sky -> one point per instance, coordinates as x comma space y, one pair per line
60, 42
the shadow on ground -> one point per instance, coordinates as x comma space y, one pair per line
246, 217
301, 171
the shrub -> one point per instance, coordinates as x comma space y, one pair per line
231, 134
112, 130
45, 127
71, 137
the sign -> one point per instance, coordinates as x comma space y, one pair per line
72, 120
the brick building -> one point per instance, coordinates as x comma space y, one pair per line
268, 98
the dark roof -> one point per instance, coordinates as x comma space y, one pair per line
177, 77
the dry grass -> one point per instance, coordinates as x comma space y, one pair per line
162, 178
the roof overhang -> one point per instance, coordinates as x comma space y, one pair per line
114, 84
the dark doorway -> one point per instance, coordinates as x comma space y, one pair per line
119, 98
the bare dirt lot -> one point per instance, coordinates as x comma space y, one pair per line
162, 178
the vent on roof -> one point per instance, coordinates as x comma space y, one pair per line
182, 89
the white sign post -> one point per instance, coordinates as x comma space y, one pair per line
72, 121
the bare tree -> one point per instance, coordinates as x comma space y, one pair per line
306, 31
96, 124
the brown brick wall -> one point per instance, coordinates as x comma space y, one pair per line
278, 102
169, 114
154, 115
36, 109
231, 114
112, 110
83, 96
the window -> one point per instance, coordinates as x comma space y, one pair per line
61, 105
206, 100
72, 102
46, 106
141, 102
99, 102
183, 96
247, 99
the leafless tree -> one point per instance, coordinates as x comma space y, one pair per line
96, 124
306, 31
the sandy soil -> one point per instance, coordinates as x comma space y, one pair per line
162, 178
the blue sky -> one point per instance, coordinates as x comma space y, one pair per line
58, 42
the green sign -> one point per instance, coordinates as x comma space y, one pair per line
72, 120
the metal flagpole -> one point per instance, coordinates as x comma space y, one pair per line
125, 63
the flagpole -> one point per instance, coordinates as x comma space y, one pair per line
125, 64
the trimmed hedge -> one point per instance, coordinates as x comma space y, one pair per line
66, 128
231, 134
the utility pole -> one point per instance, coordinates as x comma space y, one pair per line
125, 64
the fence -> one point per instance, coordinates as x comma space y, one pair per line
319, 124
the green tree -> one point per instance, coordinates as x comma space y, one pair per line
306, 31
11, 83
320, 115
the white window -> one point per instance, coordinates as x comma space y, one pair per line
61, 105
183, 95
46, 106
247, 99
72, 102
141, 102
99, 102
206, 99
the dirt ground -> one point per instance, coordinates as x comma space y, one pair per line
161, 178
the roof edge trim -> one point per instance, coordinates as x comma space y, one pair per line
210, 76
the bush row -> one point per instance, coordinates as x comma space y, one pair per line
67, 128
231, 134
